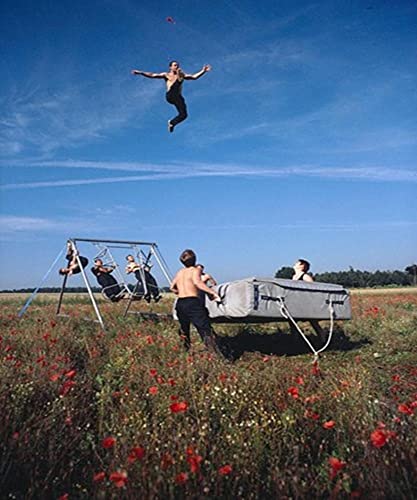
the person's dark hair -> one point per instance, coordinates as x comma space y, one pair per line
98, 260
62, 271
130, 255
172, 62
305, 264
188, 258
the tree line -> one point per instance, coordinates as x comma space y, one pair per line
355, 278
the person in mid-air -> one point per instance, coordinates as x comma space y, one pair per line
174, 79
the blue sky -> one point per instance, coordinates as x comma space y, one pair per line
301, 142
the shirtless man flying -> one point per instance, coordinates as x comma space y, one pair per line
187, 284
174, 79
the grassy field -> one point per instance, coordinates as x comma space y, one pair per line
130, 414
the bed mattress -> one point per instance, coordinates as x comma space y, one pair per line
259, 300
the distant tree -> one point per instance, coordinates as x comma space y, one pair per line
412, 271
285, 273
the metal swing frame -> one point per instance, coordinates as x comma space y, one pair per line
104, 246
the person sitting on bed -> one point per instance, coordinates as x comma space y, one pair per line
301, 268
109, 285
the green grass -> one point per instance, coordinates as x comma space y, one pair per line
191, 425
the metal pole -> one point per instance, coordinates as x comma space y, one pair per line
61, 295
89, 240
162, 263
90, 293
34, 293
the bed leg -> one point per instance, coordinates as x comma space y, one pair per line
318, 330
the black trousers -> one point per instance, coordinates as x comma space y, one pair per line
177, 100
190, 310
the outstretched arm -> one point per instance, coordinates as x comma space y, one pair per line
202, 286
196, 76
147, 74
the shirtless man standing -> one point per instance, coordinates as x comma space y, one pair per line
174, 79
187, 284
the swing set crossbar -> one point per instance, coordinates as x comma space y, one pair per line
116, 242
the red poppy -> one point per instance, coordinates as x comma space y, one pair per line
315, 368
335, 466
225, 470
329, 424
136, 453
153, 390
65, 496
99, 476
166, 461
178, 407
173, 397
380, 437
118, 478
194, 462
66, 387
108, 442
299, 381
54, 377
153, 372
311, 414
293, 391
181, 478
70, 374
406, 409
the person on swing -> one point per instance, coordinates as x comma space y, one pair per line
174, 79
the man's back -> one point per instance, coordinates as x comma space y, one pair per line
184, 282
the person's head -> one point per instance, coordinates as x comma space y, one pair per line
130, 258
302, 265
188, 258
98, 262
63, 271
174, 65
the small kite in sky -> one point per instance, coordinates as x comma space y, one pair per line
170, 19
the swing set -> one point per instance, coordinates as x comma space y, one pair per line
146, 287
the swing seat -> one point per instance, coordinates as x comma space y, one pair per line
107, 292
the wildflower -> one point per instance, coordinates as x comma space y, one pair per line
315, 368
380, 437
178, 407
118, 478
225, 470
54, 377
153, 390
108, 442
194, 462
406, 409
293, 391
166, 461
311, 414
66, 387
336, 465
149, 340
181, 478
329, 424
299, 381
65, 496
136, 453
70, 374
99, 476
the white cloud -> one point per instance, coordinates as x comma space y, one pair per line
177, 170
